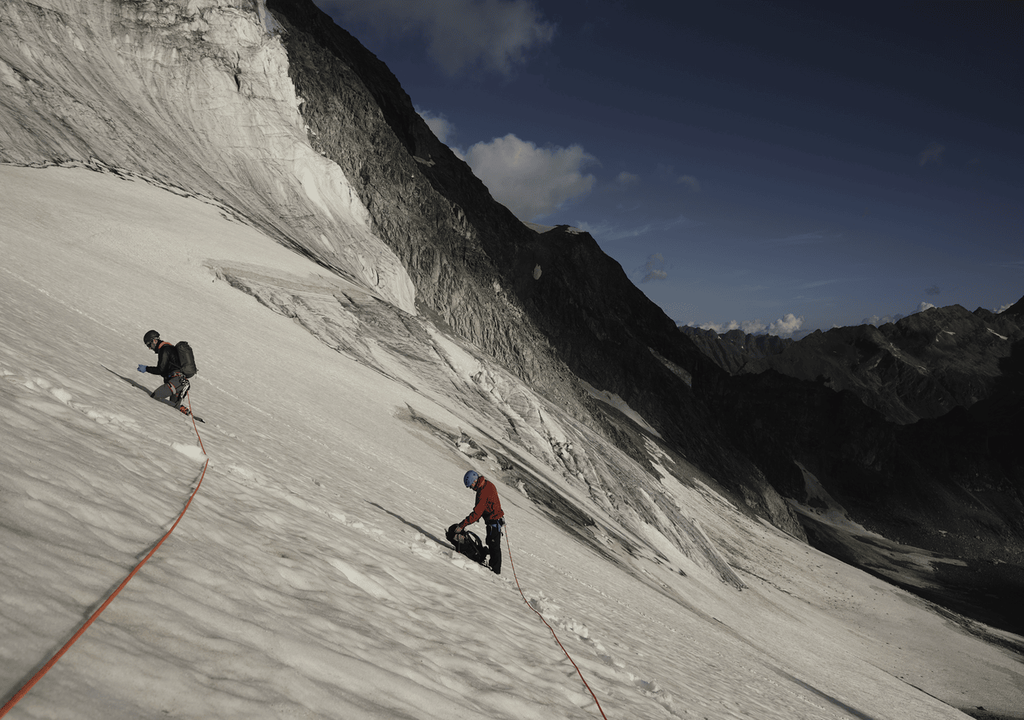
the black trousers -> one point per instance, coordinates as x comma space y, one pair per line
494, 546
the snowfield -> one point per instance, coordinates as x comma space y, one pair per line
310, 577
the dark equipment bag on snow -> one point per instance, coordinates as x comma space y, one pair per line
467, 543
186, 360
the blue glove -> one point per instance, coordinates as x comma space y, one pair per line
142, 368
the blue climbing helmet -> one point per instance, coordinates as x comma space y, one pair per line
471, 478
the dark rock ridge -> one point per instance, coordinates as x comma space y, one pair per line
920, 367
952, 484
734, 349
550, 307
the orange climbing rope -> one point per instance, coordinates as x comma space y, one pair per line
85, 626
553, 634
195, 427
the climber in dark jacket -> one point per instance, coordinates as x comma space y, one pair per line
166, 367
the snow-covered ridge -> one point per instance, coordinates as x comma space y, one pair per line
195, 94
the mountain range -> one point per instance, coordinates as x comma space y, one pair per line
911, 426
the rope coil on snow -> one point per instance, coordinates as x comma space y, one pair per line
553, 634
85, 626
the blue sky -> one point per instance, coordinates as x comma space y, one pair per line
775, 166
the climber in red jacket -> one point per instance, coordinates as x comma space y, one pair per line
487, 507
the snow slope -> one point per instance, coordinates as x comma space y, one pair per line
194, 93
310, 577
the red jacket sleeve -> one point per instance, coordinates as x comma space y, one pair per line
487, 506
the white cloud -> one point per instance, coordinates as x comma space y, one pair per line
627, 178
530, 181
438, 124
654, 268
750, 327
786, 326
495, 34
783, 327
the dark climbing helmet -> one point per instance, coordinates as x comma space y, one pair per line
471, 478
149, 337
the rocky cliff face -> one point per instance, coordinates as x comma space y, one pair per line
551, 307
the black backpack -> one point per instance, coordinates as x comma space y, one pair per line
468, 543
186, 360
